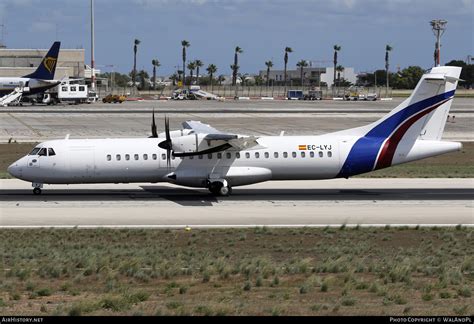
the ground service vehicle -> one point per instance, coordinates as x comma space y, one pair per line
113, 98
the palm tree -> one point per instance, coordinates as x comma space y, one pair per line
174, 77
287, 50
156, 64
337, 48
135, 48
302, 64
388, 48
211, 69
220, 79
185, 44
191, 67
199, 64
339, 69
235, 66
269, 65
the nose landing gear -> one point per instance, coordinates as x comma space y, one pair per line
37, 188
220, 188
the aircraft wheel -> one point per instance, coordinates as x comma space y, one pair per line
37, 191
225, 191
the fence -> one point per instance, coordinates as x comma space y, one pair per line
230, 91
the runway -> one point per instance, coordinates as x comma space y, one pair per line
282, 203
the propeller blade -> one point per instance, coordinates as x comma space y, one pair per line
153, 125
166, 144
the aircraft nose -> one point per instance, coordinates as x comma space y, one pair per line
14, 169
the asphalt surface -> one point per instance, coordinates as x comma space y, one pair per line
133, 119
293, 203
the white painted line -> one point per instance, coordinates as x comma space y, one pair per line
234, 226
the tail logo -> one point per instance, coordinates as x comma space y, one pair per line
49, 63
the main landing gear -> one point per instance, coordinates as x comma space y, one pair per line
37, 188
220, 188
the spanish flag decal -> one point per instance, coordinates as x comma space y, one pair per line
302, 147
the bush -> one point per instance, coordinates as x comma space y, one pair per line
259, 282
304, 289
465, 291
444, 294
348, 301
324, 287
43, 292
247, 286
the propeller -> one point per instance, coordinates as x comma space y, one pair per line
154, 134
166, 144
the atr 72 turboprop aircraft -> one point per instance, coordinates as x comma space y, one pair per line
201, 156
39, 81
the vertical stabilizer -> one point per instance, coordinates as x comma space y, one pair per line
47, 67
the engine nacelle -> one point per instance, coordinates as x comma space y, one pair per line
176, 133
193, 143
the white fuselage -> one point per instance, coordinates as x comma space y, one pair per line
141, 160
31, 85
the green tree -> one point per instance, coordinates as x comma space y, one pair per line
285, 59
135, 49
302, 64
467, 73
339, 69
191, 67
211, 69
143, 76
407, 78
156, 64
199, 64
269, 65
185, 45
235, 66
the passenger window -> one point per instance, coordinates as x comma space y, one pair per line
127, 157
109, 157
247, 155
191, 157
135, 157
64, 88
285, 154
73, 88
209, 156
275, 155
42, 152
163, 156
320, 154
311, 154
200, 157
81, 88
267, 155
117, 157
303, 154
51, 152
293, 154
237, 155
34, 151
154, 156
257, 155
329, 154
219, 155
145, 157
228, 155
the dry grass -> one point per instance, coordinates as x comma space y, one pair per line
349, 271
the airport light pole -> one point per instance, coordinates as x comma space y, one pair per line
438, 26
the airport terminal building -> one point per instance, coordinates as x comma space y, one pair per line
315, 74
20, 62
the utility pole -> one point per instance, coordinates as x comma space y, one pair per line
438, 26
92, 47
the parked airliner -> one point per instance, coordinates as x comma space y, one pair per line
201, 156
39, 81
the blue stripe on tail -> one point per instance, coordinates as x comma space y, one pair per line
361, 158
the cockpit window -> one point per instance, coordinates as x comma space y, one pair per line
42, 152
51, 152
34, 151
